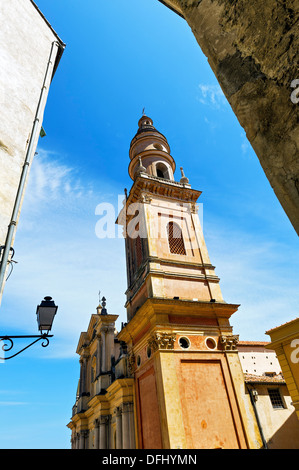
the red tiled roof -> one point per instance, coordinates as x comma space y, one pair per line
276, 379
252, 343
283, 324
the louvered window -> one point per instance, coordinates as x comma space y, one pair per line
138, 248
175, 239
139, 254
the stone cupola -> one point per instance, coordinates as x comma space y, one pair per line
150, 152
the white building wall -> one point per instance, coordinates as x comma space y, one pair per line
280, 425
25, 44
257, 360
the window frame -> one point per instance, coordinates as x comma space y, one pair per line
277, 403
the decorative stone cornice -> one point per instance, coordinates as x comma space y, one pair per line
145, 198
229, 342
155, 186
127, 407
161, 340
84, 356
103, 419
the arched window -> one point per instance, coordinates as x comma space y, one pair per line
162, 171
175, 239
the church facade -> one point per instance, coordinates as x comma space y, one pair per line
171, 378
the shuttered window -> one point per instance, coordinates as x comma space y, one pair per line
175, 239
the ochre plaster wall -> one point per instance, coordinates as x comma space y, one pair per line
207, 414
148, 411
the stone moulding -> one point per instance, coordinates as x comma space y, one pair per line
161, 340
229, 342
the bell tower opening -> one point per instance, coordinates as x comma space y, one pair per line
160, 173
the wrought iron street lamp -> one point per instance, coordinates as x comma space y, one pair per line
45, 313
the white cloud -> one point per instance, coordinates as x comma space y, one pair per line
59, 254
211, 95
245, 146
52, 180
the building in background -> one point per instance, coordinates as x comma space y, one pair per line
103, 414
272, 402
285, 342
29, 56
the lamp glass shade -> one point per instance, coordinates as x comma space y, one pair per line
46, 312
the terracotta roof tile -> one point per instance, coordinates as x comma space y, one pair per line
252, 343
262, 379
283, 324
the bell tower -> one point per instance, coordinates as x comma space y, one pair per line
166, 253
183, 355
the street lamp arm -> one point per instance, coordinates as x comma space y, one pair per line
7, 347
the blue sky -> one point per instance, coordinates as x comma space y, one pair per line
121, 57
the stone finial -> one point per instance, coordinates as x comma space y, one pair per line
104, 310
141, 168
183, 179
99, 307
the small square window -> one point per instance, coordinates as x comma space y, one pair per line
275, 398
270, 374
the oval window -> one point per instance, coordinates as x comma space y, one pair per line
184, 343
211, 343
158, 146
